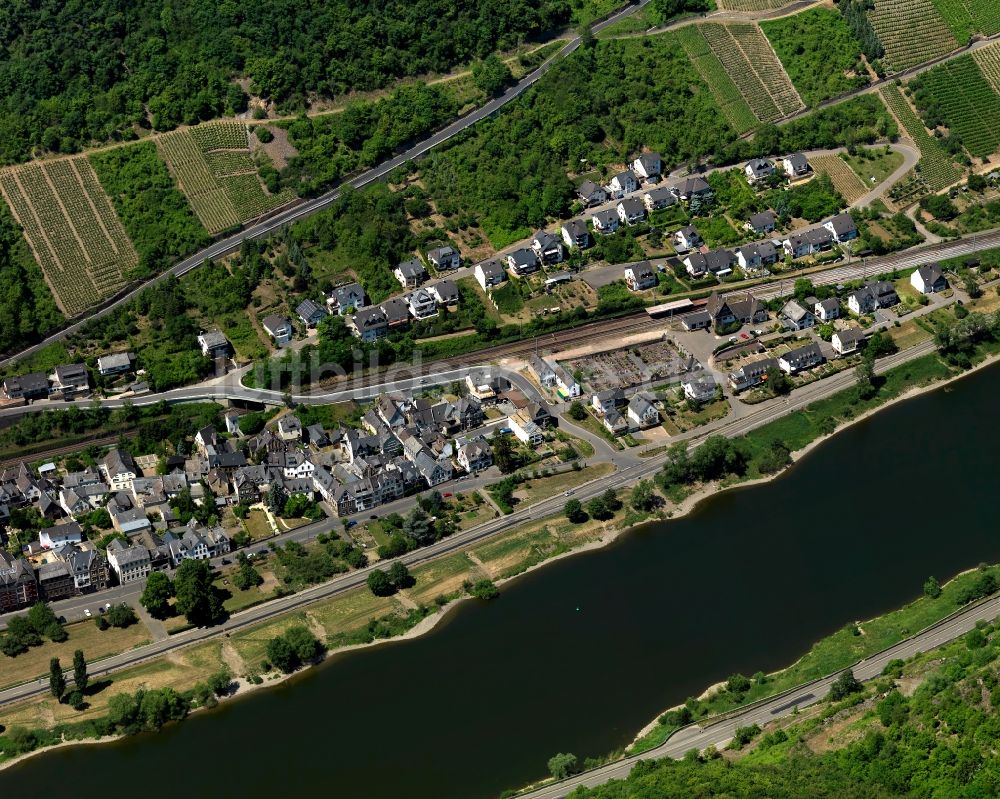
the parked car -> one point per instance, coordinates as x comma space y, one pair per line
86, 612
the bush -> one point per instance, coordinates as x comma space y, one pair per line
380, 584
845, 685
482, 589
121, 616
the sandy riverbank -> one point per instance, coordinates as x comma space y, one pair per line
609, 534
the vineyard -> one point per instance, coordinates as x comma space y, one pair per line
958, 96
751, 67
911, 31
72, 229
845, 180
751, 5
966, 17
989, 62
214, 168
936, 166
728, 97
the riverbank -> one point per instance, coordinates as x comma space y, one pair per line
514, 553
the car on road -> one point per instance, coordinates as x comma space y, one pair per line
733, 339
568, 493
87, 613
107, 606
447, 494
226, 561
373, 517
745, 336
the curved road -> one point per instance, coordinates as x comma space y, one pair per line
309, 207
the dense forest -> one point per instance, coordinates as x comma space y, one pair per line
598, 109
78, 71
27, 310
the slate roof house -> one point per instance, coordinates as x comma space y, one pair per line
547, 248
523, 261
794, 316
763, 222
278, 328
489, 274
410, 273
801, 358
446, 257
648, 165
591, 194
576, 234
751, 374
311, 313
929, 279
640, 276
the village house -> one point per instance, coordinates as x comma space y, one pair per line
873, 295
796, 165
525, 430
756, 256
55, 581
648, 165
31, 386
119, 469
18, 587
827, 310
604, 401
547, 248
576, 234
615, 422
290, 428
214, 344
688, 238
699, 388
751, 374
443, 258
59, 535
445, 292
421, 304
621, 184
410, 273
489, 274
641, 412
695, 192
543, 372
278, 328
796, 317
631, 211
115, 364
397, 312
758, 170
311, 313
565, 382
847, 342
746, 310
841, 227
130, 562
605, 221
591, 194
475, 456
655, 199
761, 223
801, 358
697, 320
69, 380
522, 261
344, 299
928, 279
640, 276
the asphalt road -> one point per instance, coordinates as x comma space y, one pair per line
309, 207
719, 733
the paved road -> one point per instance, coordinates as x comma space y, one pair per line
309, 207
718, 734
630, 469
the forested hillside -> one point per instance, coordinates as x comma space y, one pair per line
76, 71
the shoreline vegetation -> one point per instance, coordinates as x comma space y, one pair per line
358, 619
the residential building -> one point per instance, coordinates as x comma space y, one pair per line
751, 374
525, 430
445, 292
55, 581
31, 386
422, 304
695, 192
18, 587
841, 227
214, 344
655, 199
796, 317
576, 234
697, 320
827, 310
396, 311
443, 258
695, 264
761, 223
641, 412
796, 165
797, 245
88, 567
115, 364
278, 328
475, 456
69, 380
566, 384
542, 370
688, 238
720, 262
700, 387
290, 428
648, 165
130, 562
631, 211
929, 279
523, 261
605, 221
604, 401
746, 309
119, 469
847, 342
547, 248
311, 313
801, 358
346, 298
481, 385
640, 276
616, 422
758, 170
591, 194
489, 274
875, 294
756, 255
411, 273
621, 184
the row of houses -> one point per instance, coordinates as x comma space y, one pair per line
621, 415
374, 322
66, 381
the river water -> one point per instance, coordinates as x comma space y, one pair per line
579, 655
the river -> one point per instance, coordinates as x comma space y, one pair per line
579, 655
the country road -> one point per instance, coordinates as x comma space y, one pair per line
630, 469
232, 243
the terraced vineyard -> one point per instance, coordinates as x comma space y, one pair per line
845, 180
936, 166
725, 92
989, 62
751, 5
753, 68
71, 226
213, 167
911, 31
966, 17
958, 94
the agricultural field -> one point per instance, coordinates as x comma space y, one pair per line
819, 52
752, 66
936, 166
71, 226
845, 180
725, 92
956, 95
966, 17
751, 5
988, 59
214, 168
911, 31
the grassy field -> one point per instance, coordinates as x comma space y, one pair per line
82, 635
872, 162
442, 577
538, 488
257, 525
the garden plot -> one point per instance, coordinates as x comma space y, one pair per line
631, 366
71, 226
